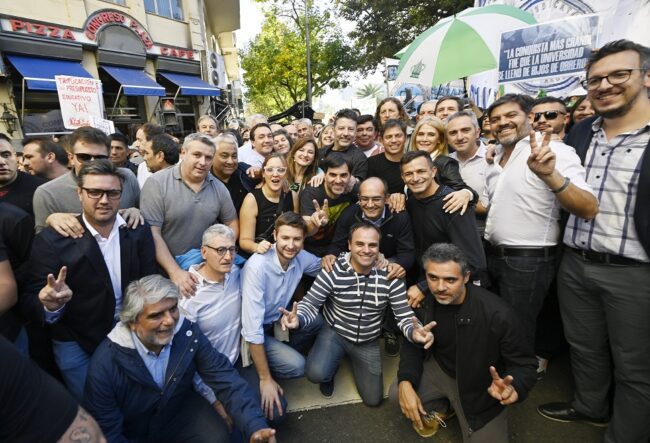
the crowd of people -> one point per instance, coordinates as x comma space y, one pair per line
171, 285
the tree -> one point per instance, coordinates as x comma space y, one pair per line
383, 27
370, 91
274, 63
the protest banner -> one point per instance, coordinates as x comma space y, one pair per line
106, 126
80, 99
550, 49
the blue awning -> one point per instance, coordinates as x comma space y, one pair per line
39, 72
134, 81
191, 84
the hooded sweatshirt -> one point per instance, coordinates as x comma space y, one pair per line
354, 304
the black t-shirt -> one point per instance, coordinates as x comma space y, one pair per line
380, 166
444, 346
237, 191
21, 191
33, 406
353, 155
319, 242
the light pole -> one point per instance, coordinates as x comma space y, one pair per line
308, 52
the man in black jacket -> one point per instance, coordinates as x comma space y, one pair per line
481, 361
82, 303
604, 277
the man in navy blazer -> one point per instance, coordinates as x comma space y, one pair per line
76, 285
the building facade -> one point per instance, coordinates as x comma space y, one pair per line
162, 61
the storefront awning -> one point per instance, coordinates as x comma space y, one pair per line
39, 72
191, 84
134, 81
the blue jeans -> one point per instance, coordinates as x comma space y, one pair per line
285, 359
249, 374
73, 363
22, 342
326, 355
523, 282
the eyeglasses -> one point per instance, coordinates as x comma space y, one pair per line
221, 250
613, 78
96, 194
83, 158
548, 115
272, 169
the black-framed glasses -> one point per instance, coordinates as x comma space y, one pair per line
613, 78
221, 250
83, 158
548, 115
96, 194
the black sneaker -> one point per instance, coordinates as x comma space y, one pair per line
326, 389
391, 344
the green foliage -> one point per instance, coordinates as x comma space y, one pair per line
275, 62
370, 90
383, 27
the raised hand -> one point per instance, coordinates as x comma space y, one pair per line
320, 217
263, 435
56, 292
422, 334
501, 388
541, 160
289, 320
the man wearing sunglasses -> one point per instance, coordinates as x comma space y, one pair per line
549, 114
76, 284
56, 203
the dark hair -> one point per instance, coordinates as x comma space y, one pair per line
393, 123
409, 156
525, 102
256, 127
345, 113
98, 167
86, 134
291, 219
400, 108
150, 130
236, 134
46, 146
5, 137
445, 252
311, 170
167, 145
549, 99
363, 224
619, 46
356, 111
117, 137
365, 118
334, 160
458, 101
286, 135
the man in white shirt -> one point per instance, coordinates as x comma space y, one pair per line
531, 179
463, 134
261, 146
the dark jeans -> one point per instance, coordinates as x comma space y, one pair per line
606, 315
326, 355
249, 374
523, 282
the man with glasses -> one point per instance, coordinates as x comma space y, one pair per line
604, 277
56, 203
549, 114
76, 284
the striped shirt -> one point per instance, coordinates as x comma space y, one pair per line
613, 169
355, 303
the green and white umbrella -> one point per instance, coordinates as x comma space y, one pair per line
458, 46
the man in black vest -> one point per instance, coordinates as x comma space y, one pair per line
604, 278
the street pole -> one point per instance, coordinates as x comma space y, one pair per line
308, 53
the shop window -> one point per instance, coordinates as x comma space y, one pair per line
166, 8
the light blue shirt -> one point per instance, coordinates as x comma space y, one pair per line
156, 364
266, 288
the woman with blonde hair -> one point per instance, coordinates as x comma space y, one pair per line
326, 136
429, 136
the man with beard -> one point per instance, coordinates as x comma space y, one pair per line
531, 180
161, 152
16, 187
44, 158
604, 278
549, 114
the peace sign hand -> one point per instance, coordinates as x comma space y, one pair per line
501, 388
422, 334
542, 159
55, 293
289, 320
320, 217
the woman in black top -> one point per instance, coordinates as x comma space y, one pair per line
262, 206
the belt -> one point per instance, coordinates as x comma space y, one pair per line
504, 251
606, 259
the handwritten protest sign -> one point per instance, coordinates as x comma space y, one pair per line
80, 99
548, 49
106, 126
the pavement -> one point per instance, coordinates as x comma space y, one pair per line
350, 421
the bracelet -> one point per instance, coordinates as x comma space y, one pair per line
565, 185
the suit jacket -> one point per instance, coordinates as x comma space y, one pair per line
88, 316
580, 138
